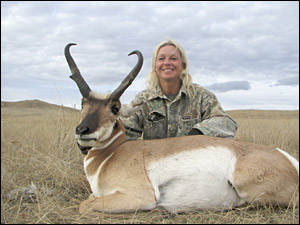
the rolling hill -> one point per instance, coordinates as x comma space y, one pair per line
40, 107
33, 104
32, 107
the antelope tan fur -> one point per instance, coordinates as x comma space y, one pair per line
178, 174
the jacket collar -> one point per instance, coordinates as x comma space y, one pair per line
158, 93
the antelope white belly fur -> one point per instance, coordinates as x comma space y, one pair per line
195, 179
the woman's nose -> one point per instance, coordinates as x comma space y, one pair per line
167, 62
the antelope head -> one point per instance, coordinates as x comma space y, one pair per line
99, 112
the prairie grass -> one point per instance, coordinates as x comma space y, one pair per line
42, 178
275, 128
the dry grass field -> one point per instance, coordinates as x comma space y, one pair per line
42, 178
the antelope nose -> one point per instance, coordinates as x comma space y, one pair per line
82, 130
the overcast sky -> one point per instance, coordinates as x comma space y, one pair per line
247, 53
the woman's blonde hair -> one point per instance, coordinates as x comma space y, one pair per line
185, 76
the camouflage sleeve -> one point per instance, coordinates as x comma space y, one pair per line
215, 122
223, 127
134, 124
132, 127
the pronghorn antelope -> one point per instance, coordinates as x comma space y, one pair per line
178, 174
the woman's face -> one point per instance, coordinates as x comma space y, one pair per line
168, 64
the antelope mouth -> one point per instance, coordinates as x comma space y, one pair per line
87, 142
87, 139
84, 149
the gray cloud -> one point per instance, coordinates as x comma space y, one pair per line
229, 86
288, 81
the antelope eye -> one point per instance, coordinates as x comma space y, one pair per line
114, 110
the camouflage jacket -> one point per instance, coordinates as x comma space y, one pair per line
161, 117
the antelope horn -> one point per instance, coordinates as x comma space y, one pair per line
76, 76
115, 96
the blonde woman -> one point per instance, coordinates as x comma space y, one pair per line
172, 105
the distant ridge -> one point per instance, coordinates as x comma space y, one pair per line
34, 104
29, 107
